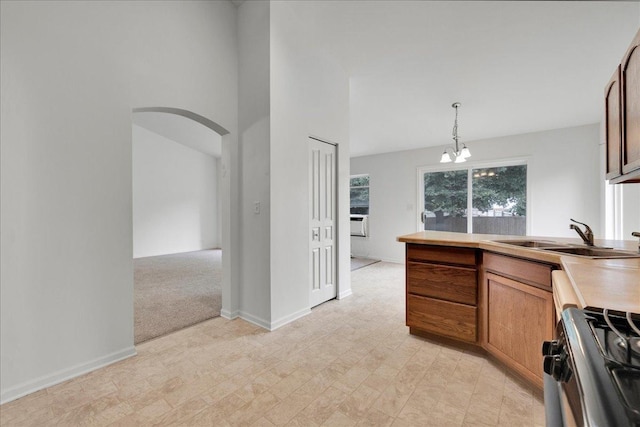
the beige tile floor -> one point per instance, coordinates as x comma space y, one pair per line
350, 362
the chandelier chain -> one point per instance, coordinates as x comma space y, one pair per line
455, 128
456, 153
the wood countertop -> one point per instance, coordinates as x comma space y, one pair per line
597, 283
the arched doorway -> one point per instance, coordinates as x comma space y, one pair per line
211, 139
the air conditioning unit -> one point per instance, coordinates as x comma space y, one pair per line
359, 225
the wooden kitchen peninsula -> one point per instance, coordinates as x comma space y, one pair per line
474, 290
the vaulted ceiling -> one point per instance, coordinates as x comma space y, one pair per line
516, 66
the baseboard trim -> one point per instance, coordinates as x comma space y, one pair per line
272, 326
45, 381
254, 319
345, 294
290, 318
229, 315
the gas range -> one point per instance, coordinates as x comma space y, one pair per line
592, 371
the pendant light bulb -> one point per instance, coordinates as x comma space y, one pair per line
446, 158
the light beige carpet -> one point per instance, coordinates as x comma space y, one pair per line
175, 291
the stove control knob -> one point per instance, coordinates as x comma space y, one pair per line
551, 348
554, 365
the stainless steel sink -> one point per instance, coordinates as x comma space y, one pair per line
594, 252
532, 243
581, 251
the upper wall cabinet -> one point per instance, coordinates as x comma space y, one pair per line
613, 114
630, 72
622, 104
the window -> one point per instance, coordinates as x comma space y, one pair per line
360, 194
500, 200
445, 201
496, 197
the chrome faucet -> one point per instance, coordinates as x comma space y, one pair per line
587, 235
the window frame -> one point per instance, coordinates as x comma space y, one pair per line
469, 166
368, 187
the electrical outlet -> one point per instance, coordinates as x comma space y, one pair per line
256, 207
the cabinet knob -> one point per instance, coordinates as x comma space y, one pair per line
552, 365
557, 366
551, 348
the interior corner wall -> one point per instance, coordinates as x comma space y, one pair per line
254, 139
630, 210
309, 97
218, 199
175, 196
620, 203
70, 75
563, 176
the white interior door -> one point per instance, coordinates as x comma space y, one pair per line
322, 224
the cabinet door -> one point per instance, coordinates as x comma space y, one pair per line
630, 76
613, 126
520, 318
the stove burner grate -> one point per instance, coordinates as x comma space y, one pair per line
621, 338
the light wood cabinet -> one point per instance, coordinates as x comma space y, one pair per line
520, 318
458, 284
481, 299
623, 126
442, 291
445, 318
518, 312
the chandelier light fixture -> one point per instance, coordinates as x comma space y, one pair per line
456, 154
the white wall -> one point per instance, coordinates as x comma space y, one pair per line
563, 170
309, 97
620, 211
288, 91
175, 202
71, 72
630, 221
254, 127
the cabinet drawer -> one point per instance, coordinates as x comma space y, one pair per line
457, 284
442, 317
443, 254
531, 272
